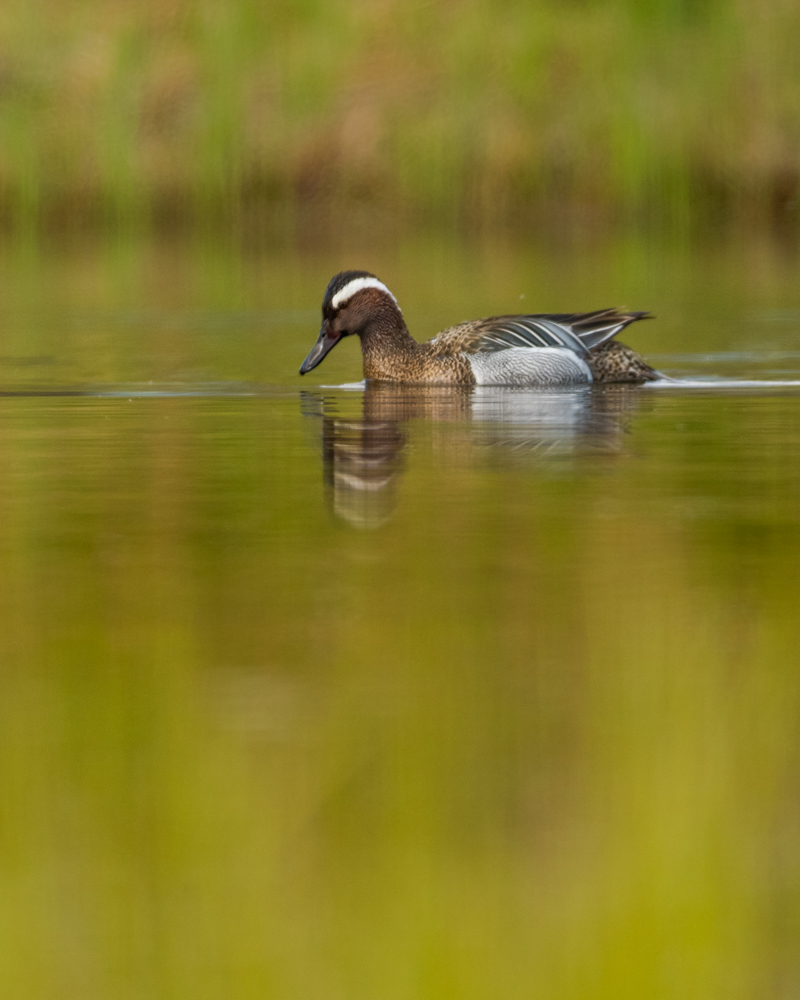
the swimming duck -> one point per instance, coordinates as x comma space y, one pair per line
561, 349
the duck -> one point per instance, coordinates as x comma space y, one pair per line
515, 350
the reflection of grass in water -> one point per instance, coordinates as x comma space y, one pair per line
115, 108
536, 737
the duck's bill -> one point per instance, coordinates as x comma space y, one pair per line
328, 339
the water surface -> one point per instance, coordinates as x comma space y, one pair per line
328, 692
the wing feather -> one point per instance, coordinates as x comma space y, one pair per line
577, 332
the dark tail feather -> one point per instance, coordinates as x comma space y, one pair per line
598, 327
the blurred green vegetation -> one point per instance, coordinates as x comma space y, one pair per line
165, 109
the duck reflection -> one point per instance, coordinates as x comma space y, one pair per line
363, 454
361, 464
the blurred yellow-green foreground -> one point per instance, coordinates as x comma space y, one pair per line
163, 108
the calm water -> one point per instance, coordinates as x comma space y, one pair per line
318, 692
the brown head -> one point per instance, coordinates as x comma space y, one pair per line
355, 302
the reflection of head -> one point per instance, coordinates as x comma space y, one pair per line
361, 461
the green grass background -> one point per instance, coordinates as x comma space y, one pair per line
176, 109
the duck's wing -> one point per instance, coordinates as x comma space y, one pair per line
577, 332
498, 333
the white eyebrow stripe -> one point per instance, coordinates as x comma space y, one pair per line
356, 285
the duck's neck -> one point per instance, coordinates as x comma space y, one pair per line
386, 346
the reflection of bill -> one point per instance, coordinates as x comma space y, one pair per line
362, 458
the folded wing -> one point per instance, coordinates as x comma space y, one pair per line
577, 332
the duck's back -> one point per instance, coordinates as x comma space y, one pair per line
544, 349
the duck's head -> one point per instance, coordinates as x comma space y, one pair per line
353, 301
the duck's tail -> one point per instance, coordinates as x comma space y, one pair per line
595, 328
610, 360
613, 361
